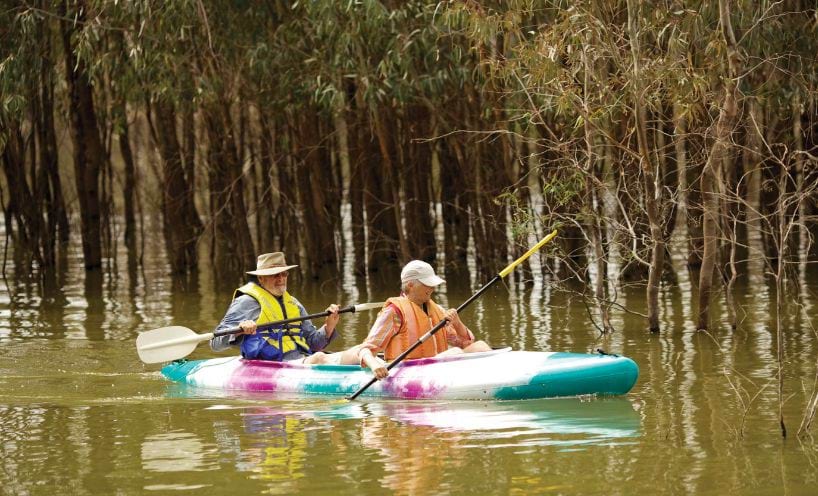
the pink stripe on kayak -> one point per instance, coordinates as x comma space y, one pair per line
256, 375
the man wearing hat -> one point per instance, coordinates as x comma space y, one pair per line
267, 300
406, 318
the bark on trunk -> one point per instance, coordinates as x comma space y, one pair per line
181, 224
266, 172
593, 204
233, 251
417, 171
88, 152
382, 237
711, 176
129, 187
649, 176
392, 185
319, 197
455, 206
51, 185
24, 210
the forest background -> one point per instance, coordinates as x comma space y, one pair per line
435, 127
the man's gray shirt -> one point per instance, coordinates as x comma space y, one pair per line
245, 307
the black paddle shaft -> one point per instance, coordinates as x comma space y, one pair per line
426, 336
271, 325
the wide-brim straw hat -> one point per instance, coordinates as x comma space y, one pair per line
270, 264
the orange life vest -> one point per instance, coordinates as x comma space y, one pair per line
414, 324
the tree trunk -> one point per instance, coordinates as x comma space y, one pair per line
392, 180
24, 208
455, 207
650, 177
593, 204
680, 149
711, 174
379, 203
129, 188
319, 196
88, 151
181, 224
417, 170
51, 184
266, 176
233, 252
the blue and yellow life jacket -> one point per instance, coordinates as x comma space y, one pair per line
272, 344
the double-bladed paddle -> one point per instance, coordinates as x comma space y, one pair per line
172, 343
466, 303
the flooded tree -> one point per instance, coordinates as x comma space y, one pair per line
444, 131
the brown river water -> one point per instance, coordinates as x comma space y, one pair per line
81, 414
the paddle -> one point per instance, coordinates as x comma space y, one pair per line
172, 343
466, 303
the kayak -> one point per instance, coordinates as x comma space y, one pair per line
492, 375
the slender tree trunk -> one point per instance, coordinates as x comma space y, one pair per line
287, 223
233, 252
417, 171
782, 226
798, 157
753, 168
319, 196
357, 192
266, 177
129, 187
455, 205
24, 210
593, 203
392, 186
349, 200
711, 175
57, 225
180, 220
680, 149
383, 248
650, 177
88, 150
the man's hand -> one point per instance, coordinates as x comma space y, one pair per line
375, 364
452, 316
332, 318
247, 327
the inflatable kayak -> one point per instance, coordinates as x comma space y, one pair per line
493, 375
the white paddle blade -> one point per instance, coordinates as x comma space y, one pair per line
168, 344
369, 306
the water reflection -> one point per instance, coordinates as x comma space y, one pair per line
563, 422
411, 439
567, 422
279, 447
175, 452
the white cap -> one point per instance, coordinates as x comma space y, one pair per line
418, 270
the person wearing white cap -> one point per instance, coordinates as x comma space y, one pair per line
404, 319
266, 300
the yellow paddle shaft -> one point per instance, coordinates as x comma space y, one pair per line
527, 254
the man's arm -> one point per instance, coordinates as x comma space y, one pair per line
384, 329
245, 307
317, 339
457, 334
386, 326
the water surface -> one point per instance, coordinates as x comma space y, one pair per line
80, 414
